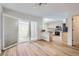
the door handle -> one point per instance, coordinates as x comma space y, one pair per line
72, 29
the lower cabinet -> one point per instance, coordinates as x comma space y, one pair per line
64, 38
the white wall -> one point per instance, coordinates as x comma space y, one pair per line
0, 26
69, 24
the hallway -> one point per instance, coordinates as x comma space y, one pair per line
41, 48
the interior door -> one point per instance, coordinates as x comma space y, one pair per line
75, 30
10, 31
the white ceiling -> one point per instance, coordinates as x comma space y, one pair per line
51, 10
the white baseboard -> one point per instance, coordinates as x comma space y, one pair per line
34, 40
10, 46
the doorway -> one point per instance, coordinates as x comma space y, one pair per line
27, 31
23, 31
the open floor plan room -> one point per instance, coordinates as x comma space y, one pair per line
39, 29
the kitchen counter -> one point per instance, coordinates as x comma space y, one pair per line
47, 36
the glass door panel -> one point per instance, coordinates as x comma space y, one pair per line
23, 31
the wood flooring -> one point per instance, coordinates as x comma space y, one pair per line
41, 48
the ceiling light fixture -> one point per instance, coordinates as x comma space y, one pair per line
39, 4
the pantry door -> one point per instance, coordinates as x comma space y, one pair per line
75, 30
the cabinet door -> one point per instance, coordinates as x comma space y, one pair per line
75, 30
